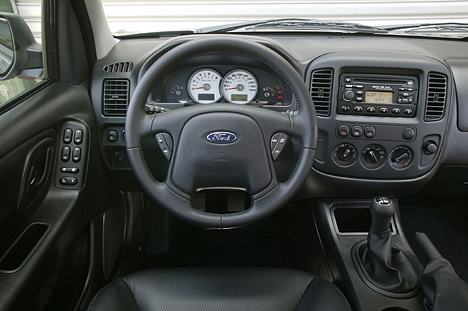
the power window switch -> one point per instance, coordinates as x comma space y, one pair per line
76, 154
67, 136
66, 153
78, 137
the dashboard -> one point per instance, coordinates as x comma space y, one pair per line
386, 107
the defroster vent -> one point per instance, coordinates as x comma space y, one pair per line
321, 90
115, 97
436, 96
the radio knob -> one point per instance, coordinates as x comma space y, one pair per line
348, 95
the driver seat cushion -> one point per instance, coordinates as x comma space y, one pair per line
221, 290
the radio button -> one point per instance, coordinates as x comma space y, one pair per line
396, 110
343, 130
402, 89
356, 131
357, 109
359, 86
408, 111
359, 93
370, 109
345, 108
348, 95
349, 86
369, 131
347, 80
383, 110
405, 94
359, 99
410, 90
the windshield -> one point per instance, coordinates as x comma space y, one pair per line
145, 16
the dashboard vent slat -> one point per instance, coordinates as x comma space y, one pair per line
436, 96
321, 90
118, 67
115, 97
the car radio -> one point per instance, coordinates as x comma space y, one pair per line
378, 95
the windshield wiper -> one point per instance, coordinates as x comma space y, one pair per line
451, 29
295, 24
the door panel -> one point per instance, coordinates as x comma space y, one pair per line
31, 143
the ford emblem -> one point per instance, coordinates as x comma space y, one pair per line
221, 137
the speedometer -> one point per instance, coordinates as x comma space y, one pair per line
239, 87
203, 86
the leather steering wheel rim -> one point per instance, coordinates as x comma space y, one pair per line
180, 124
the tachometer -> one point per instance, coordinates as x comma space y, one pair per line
203, 86
239, 87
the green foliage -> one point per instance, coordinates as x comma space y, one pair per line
12, 88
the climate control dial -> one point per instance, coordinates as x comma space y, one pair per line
373, 156
401, 157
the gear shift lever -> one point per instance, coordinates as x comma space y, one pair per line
384, 265
382, 210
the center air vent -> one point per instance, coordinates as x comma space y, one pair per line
118, 67
436, 96
115, 97
320, 90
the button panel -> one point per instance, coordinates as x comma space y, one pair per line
71, 166
277, 143
165, 143
378, 95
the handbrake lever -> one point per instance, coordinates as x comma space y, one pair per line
443, 289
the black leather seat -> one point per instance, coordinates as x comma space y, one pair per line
221, 290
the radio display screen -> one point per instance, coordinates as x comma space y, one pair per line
379, 97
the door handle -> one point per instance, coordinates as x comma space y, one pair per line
36, 172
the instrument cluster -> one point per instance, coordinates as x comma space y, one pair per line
223, 84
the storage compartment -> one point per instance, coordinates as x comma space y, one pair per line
353, 220
22, 249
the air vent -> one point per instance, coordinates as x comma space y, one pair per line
115, 97
119, 67
320, 90
436, 96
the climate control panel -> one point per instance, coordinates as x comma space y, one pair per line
379, 151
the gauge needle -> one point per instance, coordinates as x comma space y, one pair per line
232, 88
197, 88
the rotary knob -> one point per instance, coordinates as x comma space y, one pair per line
344, 154
348, 95
401, 157
373, 156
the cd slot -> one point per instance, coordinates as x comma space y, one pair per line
368, 81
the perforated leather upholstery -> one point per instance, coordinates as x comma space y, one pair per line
221, 290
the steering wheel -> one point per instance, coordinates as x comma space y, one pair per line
221, 146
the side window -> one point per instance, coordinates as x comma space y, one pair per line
30, 11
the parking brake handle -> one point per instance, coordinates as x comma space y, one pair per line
443, 289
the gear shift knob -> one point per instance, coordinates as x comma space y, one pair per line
382, 210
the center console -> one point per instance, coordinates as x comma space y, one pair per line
381, 116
